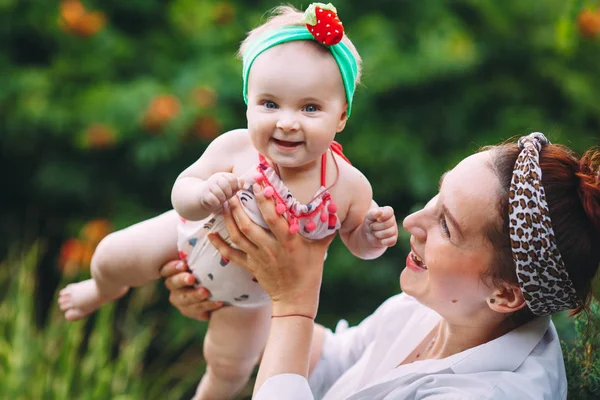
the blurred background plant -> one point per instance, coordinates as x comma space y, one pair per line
103, 103
113, 355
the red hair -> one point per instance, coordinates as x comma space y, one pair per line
572, 186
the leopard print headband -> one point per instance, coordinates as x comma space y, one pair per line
541, 272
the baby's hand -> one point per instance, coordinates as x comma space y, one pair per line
381, 227
219, 188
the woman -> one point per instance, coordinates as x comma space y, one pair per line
493, 255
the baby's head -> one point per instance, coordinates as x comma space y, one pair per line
297, 96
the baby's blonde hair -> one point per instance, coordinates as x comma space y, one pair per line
289, 16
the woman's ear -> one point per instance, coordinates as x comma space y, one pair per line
507, 299
343, 119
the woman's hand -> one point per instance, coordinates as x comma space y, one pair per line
287, 266
187, 298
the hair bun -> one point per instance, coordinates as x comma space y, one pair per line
589, 185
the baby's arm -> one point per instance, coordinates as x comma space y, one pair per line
205, 185
368, 229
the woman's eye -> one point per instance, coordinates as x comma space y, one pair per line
269, 105
444, 226
311, 108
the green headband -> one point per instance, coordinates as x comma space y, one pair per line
341, 53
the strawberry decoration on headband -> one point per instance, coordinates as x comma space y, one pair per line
324, 24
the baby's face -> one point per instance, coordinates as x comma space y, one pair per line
296, 103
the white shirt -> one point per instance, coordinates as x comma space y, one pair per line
361, 363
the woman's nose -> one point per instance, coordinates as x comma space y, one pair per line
414, 224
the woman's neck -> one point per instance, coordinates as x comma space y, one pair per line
450, 339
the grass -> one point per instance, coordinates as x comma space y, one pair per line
112, 355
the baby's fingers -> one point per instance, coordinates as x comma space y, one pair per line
373, 214
211, 200
383, 225
387, 212
229, 184
387, 237
389, 242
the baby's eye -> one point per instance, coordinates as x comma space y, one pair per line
269, 104
311, 108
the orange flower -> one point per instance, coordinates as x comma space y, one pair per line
589, 22
71, 256
99, 136
95, 230
207, 128
77, 20
161, 110
223, 13
204, 97
76, 254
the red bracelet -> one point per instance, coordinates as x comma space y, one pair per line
292, 315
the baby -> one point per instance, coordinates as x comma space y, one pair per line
300, 72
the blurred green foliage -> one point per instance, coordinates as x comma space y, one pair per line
103, 103
108, 357
582, 361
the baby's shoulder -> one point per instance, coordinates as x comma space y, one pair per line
237, 148
234, 140
351, 179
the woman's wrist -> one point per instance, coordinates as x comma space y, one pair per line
290, 335
305, 308
293, 315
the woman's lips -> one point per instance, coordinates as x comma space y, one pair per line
415, 264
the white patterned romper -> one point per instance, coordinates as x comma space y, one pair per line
228, 282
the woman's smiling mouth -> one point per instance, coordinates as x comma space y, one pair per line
415, 263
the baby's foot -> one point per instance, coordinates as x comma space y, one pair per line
78, 300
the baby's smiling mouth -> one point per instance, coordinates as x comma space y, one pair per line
286, 143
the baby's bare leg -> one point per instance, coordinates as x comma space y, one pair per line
130, 257
235, 339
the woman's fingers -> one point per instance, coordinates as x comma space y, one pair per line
180, 281
192, 303
242, 230
189, 300
277, 224
228, 252
201, 311
188, 296
172, 267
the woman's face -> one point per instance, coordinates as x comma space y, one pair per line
449, 247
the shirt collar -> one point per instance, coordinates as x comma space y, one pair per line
515, 347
